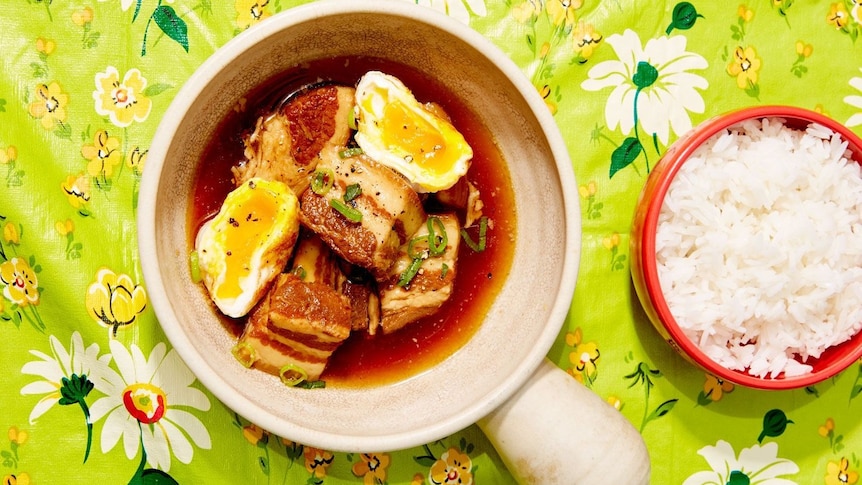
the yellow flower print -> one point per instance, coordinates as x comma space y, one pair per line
137, 159
372, 467
77, 190
45, 46
803, 49
838, 16
585, 39
546, 94
452, 468
615, 402
115, 300
418, 479
745, 13
584, 358
714, 388
562, 12
826, 428
253, 433
9, 155
103, 155
588, 190
21, 285
123, 102
527, 11
82, 17
744, 67
611, 241
19, 479
250, 12
612, 244
18, 436
839, 473
64, 228
317, 461
11, 233
50, 105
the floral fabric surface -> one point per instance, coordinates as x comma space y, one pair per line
91, 386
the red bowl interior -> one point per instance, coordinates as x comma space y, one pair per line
644, 269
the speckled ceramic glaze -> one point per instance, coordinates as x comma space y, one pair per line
523, 321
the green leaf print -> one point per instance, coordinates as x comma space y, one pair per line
172, 25
684, 17
774, 424
625, 154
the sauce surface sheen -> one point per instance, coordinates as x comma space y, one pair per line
364, 360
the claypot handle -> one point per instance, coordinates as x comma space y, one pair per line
555, 431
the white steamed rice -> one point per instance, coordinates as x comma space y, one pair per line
759, 246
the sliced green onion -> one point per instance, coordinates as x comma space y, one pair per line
195, 266
433, 237
350, 213
351, 119
410, 272
244, 353
322, 181
350, 152
411, 247
483, 228
443, 271
351, 192
300, 272
318, 384
292, 375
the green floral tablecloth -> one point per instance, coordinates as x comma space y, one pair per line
83, 85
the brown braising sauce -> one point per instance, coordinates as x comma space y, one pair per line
364, 360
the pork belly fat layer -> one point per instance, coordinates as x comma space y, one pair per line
285, 144
391, 211
429, 289
299, 323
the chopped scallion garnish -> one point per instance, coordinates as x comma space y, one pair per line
291, 375
483, 229
322, 181
351, 192
244, 353
350, 152
437, 241
410, 272
350, 213
195, 266
411, 247
318, 384
300, 272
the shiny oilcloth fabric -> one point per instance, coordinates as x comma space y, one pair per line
91, 388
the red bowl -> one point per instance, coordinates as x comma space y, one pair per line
643, 250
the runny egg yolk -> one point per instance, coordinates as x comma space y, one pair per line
425, 142
249, 223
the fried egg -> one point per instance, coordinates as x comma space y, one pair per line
394, 129
247, 244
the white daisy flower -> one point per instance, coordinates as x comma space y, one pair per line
758, 465
146, 403
76, 362
855, 101
652, 85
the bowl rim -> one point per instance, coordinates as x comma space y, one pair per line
162, 305
666, 171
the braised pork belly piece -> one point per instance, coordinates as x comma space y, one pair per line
363, 210
295, 328
463, 197
314, 261
406, 297
284, 145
